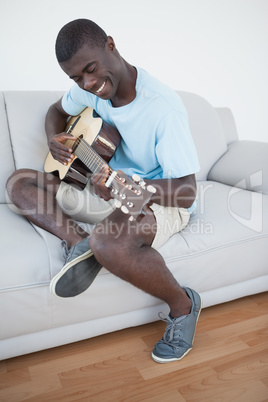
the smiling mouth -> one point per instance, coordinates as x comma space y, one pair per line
101, 88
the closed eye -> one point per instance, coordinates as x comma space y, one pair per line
91, 70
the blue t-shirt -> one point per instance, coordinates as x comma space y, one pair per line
156, 140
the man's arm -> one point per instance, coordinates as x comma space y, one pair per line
55, 124
178, 193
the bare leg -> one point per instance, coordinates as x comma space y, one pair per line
123, 247
34, 193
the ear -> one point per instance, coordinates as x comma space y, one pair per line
110, 43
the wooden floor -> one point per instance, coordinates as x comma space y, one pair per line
229, 362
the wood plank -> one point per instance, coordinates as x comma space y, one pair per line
211, 389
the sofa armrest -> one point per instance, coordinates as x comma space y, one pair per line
244, 165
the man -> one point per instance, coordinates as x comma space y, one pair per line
156, 144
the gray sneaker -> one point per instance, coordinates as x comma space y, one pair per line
179, 334
79, 271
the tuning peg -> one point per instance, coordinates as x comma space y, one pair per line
124, 209
151, 189
117, 203
136, 177
131, 218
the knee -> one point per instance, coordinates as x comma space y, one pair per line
105, 246
98, 245
18, 180
112, 247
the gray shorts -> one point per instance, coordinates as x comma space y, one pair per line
85, 206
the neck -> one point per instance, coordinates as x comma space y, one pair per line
126, 92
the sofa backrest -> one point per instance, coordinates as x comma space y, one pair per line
228, 124
23, 127
207, 131
6, 161
26, 113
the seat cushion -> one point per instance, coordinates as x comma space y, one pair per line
227, 239
28, 259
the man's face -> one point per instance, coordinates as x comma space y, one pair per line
95, 70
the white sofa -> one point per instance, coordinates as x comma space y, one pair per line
223, 253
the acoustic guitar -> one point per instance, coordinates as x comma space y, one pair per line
95, 144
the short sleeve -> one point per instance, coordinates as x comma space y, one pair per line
75, 101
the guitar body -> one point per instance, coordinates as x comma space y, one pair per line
95, 144
103, 138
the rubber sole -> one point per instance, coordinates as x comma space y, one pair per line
76, 276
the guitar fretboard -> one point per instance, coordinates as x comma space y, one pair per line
88, 156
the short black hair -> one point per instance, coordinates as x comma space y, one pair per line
75, 34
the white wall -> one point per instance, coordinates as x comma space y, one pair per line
215, 48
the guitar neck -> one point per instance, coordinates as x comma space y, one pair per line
88, 156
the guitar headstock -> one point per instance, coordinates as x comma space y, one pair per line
131, 195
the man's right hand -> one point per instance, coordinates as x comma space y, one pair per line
59, 150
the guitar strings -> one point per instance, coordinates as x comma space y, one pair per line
95, 159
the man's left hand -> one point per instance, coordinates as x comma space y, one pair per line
98, 180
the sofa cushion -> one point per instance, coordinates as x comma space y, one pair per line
207, 131
228, 124
26, 113
226, 239
24, 270
25, 253
214, 251
7, 166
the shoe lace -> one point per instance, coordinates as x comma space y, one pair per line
173, 329
65, 250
